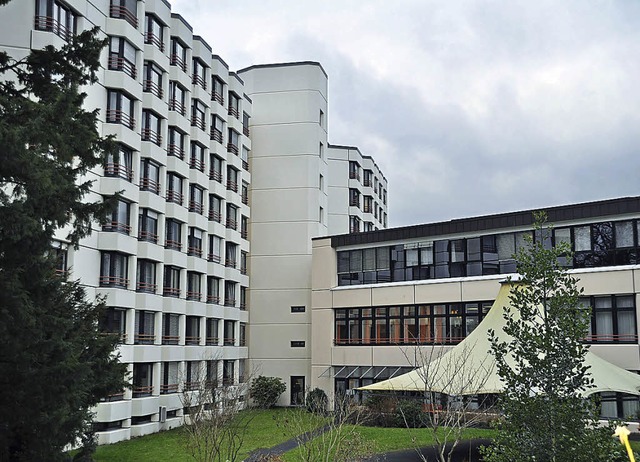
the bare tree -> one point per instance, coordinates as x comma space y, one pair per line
216, 413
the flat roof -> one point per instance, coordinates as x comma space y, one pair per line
297, 63
585, 210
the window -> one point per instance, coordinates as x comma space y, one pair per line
242, 342
231, 254
354, 197
119, 164
148, 225
229, 332
213, 291
321, 182
194, 289
232, 145
178, 54
169, 377
149, 176
367, 177
177, 97
321, 118
618, 405
171, 286
368, 206
59, 250
613, 319
244, 227
192, 380
176, 143
152, 82
199, 73
245, 193
196, 199
217, 125
243, 262
192, 330
229, 294
215, 168
125, 9
354, 224
142, 379
174, 188
245, 158
234, 105
298, 309
120, 109
119, 218
151, 127
232, 216
170, 329
215, 208
212, 331
215, 249
245, 124
114, 321
146, 276
114, 269
198, 112
217, 90
354, 170
55, 16
173, 238
122, 56
232, 179
145, 327
297, 343
153, 31
195, 242
197, 156
228, 371
243, 298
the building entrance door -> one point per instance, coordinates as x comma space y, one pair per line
297, 390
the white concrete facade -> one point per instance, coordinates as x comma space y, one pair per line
173, 261
381, 298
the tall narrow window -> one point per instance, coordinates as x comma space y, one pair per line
178, 54
119, 218
198, 112
120, 108
199, 73
149, 176
176, 143
114, 269
217, 90
151, 123
173, 234
152, 82
234, 105
146, 276
215, 208
119, 164
232, 145
171, 286
217, 125
195, 242
215, 248
125, 9
174, 188
153, 32
122, 56
177, 98
197, 156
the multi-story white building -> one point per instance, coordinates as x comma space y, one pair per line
302, 187
172, 262
379, 297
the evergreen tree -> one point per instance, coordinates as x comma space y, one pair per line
54, 364
541, 362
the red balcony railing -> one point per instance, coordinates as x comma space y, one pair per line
115, 116
212, 340
144, 339
213, 299
232, 224
121, 12
194, 251
118, 170
230, 263
245, 130
177, 106
116, 227
177, 60
171, 291
196, 207
215, 175
232, 186
197, 121
174, 196
217, 96
152, 39
173, 245
165, 389
215, 135
175, 151
245, 199
245, 165
49, 24
118, 63
147, 184
214, 258
232, 148
192, 340
230, 341
149, 134
197, 296
113, 281
146, 287
139, 392
170, 339
199, 80
152, 87
197, 164
233, 111
214, 215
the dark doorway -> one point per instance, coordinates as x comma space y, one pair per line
297, 390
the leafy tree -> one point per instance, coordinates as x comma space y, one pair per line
54, 364
265, 391
541, 362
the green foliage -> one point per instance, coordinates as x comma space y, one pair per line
546, 417
54, 364
265, 391
409, 414
317, 401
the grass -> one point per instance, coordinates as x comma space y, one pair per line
170, 446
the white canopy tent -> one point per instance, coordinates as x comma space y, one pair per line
469, 368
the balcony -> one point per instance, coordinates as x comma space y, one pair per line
215, 135
212, 341
217, 96
178, 61
232, 224
147, 184
168, 388
215, 175
245, 165
245, 130
231, 341
177, 106
171, 291
198, 122
233, 111
117, 227
230, 263
196, 207
118, 170
144, 339
121, 12
175, 151
194, 296
152, 39
215, 215
213, 299
146, 287
197, 164
354, 202
214, 258
120, 117
113, 281
191, 386
149, 86
149, 134
173, 245
232, 186
50, 24
245, 199
117, 63
194, 252
199, 80
244, 234
230, 302
192, 340
232, 148
175, 197
139, 392
170, 339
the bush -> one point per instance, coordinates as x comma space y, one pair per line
317, 401
409, 414
265, 391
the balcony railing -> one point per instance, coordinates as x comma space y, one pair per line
197, 164
215, 215
144, 339
229, 341
113, 281
611, 338
177, 106
194, 296
194, 252
152, 39
149, 134
229, 302
192, 340
121, 12
197, 79
116, 227
232, 224
215, 135
115, 116
230, 263
152, 87
245, 165
139, 392
214, 258
177, 60
175, 151
118, 63
354, 202
213, 299
118, 170
232, 148
245, 199
233, 111
244, 234
245, 130
227, 381
147, 184
146, 287
170, 339
215, 175
191, 386
171, 291
232, 185
173, 245
174, 196
196, 207
49, 24
165, 389
212, 340
197, 121
243, 270
217, 96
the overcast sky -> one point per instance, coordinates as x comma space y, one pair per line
469, 107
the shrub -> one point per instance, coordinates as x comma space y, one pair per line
265, 391
409, 414
317, 401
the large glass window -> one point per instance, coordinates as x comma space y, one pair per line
215, 208
119, 218
151, 127
122, 56
145, 327
195, 242
198, 113
177, 97
114, 269
120, 108
149, 176
153, 31
55, 16
177, 141
178, 54
114, 321
217, 90
125, 9
142, 379
199, 73
146, 276
215, 248
171, 281
174, 188
613, 319
152, 82
119, 164
234, 105
196, 199
173, 234
213, 291
217, 127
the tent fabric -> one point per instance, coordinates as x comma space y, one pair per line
469, 368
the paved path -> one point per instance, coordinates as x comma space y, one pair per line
260, 454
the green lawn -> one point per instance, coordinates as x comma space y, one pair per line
170, 446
